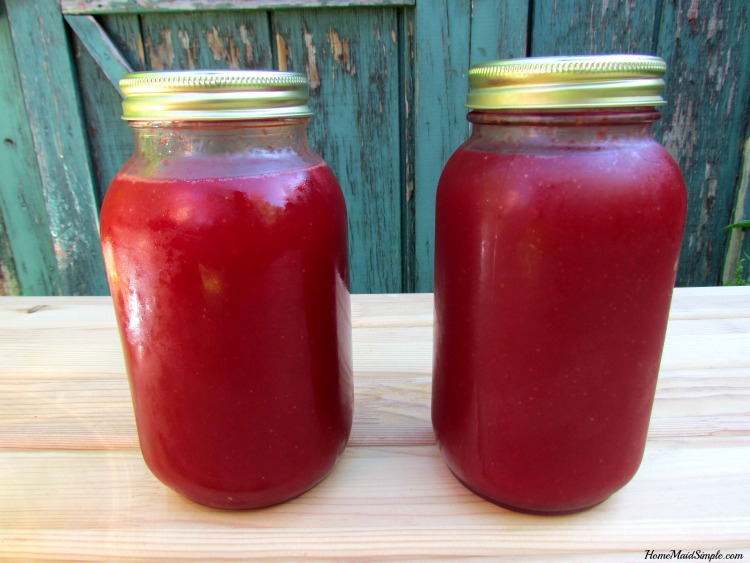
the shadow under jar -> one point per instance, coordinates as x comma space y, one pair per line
559, 226
225, 243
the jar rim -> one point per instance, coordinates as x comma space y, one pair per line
214, 95
593, 81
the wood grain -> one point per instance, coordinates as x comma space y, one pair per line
582, 27
8, 277
110, 139
29, 261
47, 76
407, 46
351, 58
151, 6
738, 247
706, 46
124, 32
73, 485
49, 204
95, 40
212, 40
708, 331
442, 31
499, 29
396, 502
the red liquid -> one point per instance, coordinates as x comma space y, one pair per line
233, 305
553, 278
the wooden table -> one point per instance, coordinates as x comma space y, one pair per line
73, 485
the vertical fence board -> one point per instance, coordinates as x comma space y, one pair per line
110, 139
406, 113
30, 257
388, 88
707, 47
738, 247
8, 279
352, 62
582, 27
48, 80
207, 40
498, 29
93, 37
125, 33
441, 67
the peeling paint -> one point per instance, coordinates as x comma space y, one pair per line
692, 14
283, 52
136, 45
680, 138
216, 45
8, 282
730, 99
234, 53
411, 40
245, 37
711, 181
341, 51
714, 24
191, 49
162, 57
312, 66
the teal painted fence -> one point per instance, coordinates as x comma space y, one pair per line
388, 83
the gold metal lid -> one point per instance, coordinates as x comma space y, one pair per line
595, 81
208, 95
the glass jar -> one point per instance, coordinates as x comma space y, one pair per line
559, 225
225, 243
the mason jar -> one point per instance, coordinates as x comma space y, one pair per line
225, 243
559, 226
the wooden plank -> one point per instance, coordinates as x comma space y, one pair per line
207, 40
351, 58
582, 27
30, 260
8, 278
99, 65
48, 80
152, 6
406, 81
391, 406
442, 30
738, 248
125, 33
110, 140
499, 29
707, 49
73, 484
101, 48
378, 503
44, 376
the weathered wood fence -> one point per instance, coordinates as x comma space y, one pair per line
388, 84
